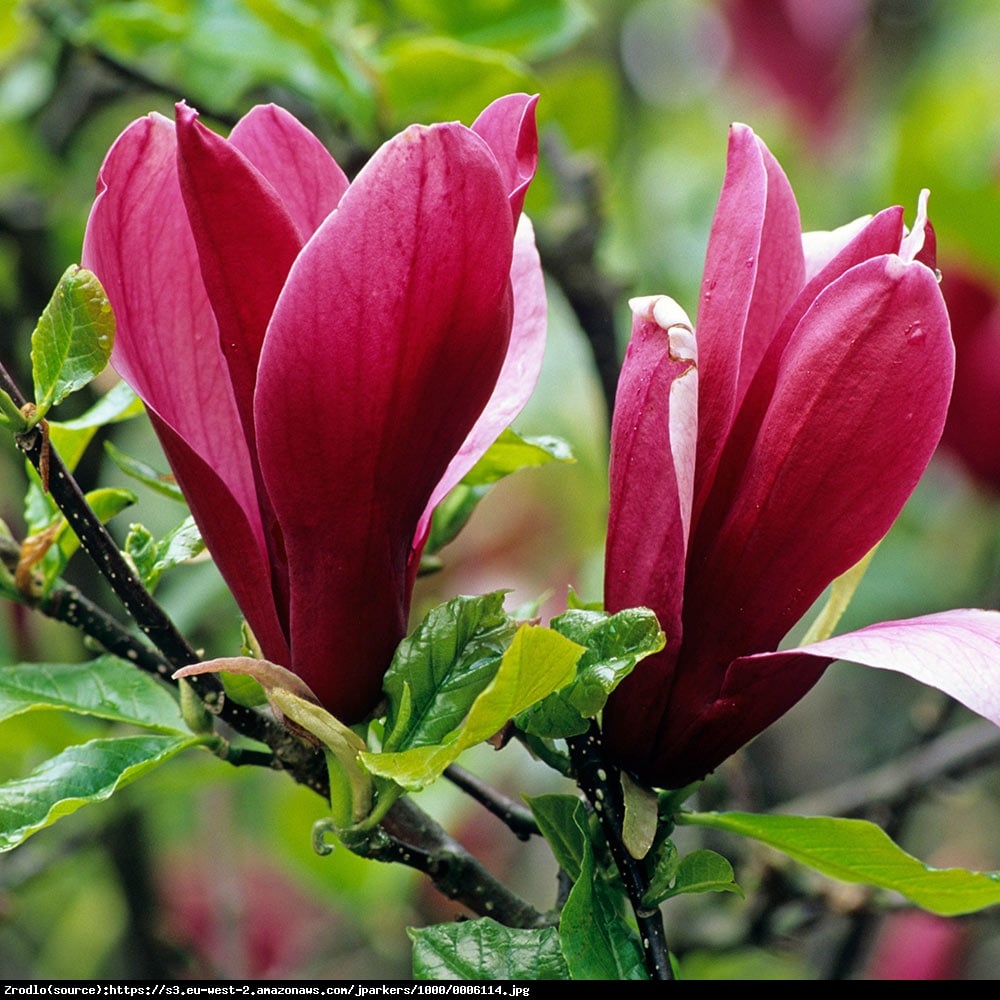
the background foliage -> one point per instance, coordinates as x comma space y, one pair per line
207, 871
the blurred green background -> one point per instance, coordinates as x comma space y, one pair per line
203, 870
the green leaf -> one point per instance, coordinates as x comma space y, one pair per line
73, 339
451, 516
71, 437
854, 850
485, 950
162, 482
563, 822
80, 775
511, 452
668, 862
508, 454
596, 939
614, 645
107, 687
699, 871
537, 662
152, 558
440, 670
641, 817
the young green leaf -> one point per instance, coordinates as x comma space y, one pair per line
78, 776
854, 850
161, 482
597, 941
11, 416
668, 861
614, 645
641, 817
71, 437
511, 452
563, 822
537, 662
699, 871
152, 558
73, 339
107, 687
485, 950
439, 671
508, 454
450, 517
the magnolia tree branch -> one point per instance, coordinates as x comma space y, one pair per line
601, 783
959, 751
516, 817
407, 836
416, 840
304, 763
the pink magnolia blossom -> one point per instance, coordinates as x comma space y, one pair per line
322, 360
759, 457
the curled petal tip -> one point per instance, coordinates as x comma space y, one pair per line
662, 310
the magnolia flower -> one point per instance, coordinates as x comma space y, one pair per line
322, 360
758, 458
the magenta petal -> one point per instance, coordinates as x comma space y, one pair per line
757, 691
856, 414
517, 377
138, 242
383, 350
508, 126
655, 415
233, 539
754, 268
306, 177
957, 652
246, 244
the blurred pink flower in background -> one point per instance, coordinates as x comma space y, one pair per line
918, 945
972, 430
802, 50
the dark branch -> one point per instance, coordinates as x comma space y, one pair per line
518, 818
601, 783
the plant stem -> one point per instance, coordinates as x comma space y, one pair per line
601, 783
411, 837
519, 819
304, 763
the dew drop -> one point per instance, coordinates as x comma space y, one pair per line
914, 333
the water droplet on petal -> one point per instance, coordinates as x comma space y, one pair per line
914, 333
